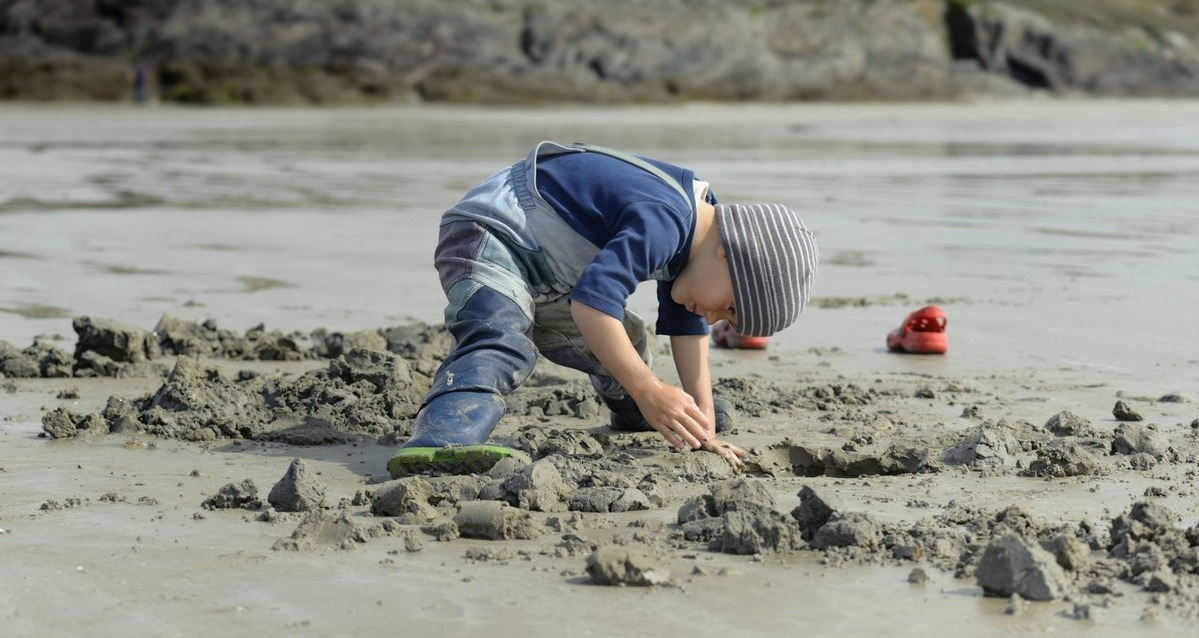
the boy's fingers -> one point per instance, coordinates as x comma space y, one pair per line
688, 430
674, 435
698, 424
698, 431
688, 438
733, 449
726, 450
682, 435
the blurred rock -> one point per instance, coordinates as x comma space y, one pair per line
1124, 412
524, 51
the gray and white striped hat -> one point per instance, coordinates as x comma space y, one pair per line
772, 257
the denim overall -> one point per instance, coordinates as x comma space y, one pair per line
507, 263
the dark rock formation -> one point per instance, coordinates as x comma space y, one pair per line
521, 51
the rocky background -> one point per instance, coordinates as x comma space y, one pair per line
616, 51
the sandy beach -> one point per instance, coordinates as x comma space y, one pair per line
1059, 237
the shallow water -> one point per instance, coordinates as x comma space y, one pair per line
1059, 233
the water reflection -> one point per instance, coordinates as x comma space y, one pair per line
1049, 202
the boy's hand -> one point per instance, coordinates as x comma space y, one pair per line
675, 415
727, 451
669, 410
672, 411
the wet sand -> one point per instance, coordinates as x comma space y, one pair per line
1059, 237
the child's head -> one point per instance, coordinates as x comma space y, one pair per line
771, 258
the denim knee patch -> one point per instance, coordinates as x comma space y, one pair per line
468, 252
492, 349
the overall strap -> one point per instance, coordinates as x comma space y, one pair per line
635, 161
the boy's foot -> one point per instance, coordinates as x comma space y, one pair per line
462, 459
723, 336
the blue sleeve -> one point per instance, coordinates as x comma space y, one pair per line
647, 238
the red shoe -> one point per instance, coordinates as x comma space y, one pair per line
723, 336
923, 332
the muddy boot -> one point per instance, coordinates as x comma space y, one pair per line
450, 434
626, 416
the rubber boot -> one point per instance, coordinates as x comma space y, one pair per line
450, 435
456, 418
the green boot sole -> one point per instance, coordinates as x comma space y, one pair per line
464, 459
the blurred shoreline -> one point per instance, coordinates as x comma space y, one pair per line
1058, 236
526, 52
1049, 228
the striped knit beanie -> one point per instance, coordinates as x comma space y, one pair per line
772, 257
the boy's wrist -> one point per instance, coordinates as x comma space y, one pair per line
642, 386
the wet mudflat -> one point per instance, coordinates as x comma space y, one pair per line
267, 276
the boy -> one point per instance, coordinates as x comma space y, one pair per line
542, 256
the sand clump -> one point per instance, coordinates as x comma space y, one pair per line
300, 489
1012, 566
109, 348
243, 495
360, 392
614, 565
497, 521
